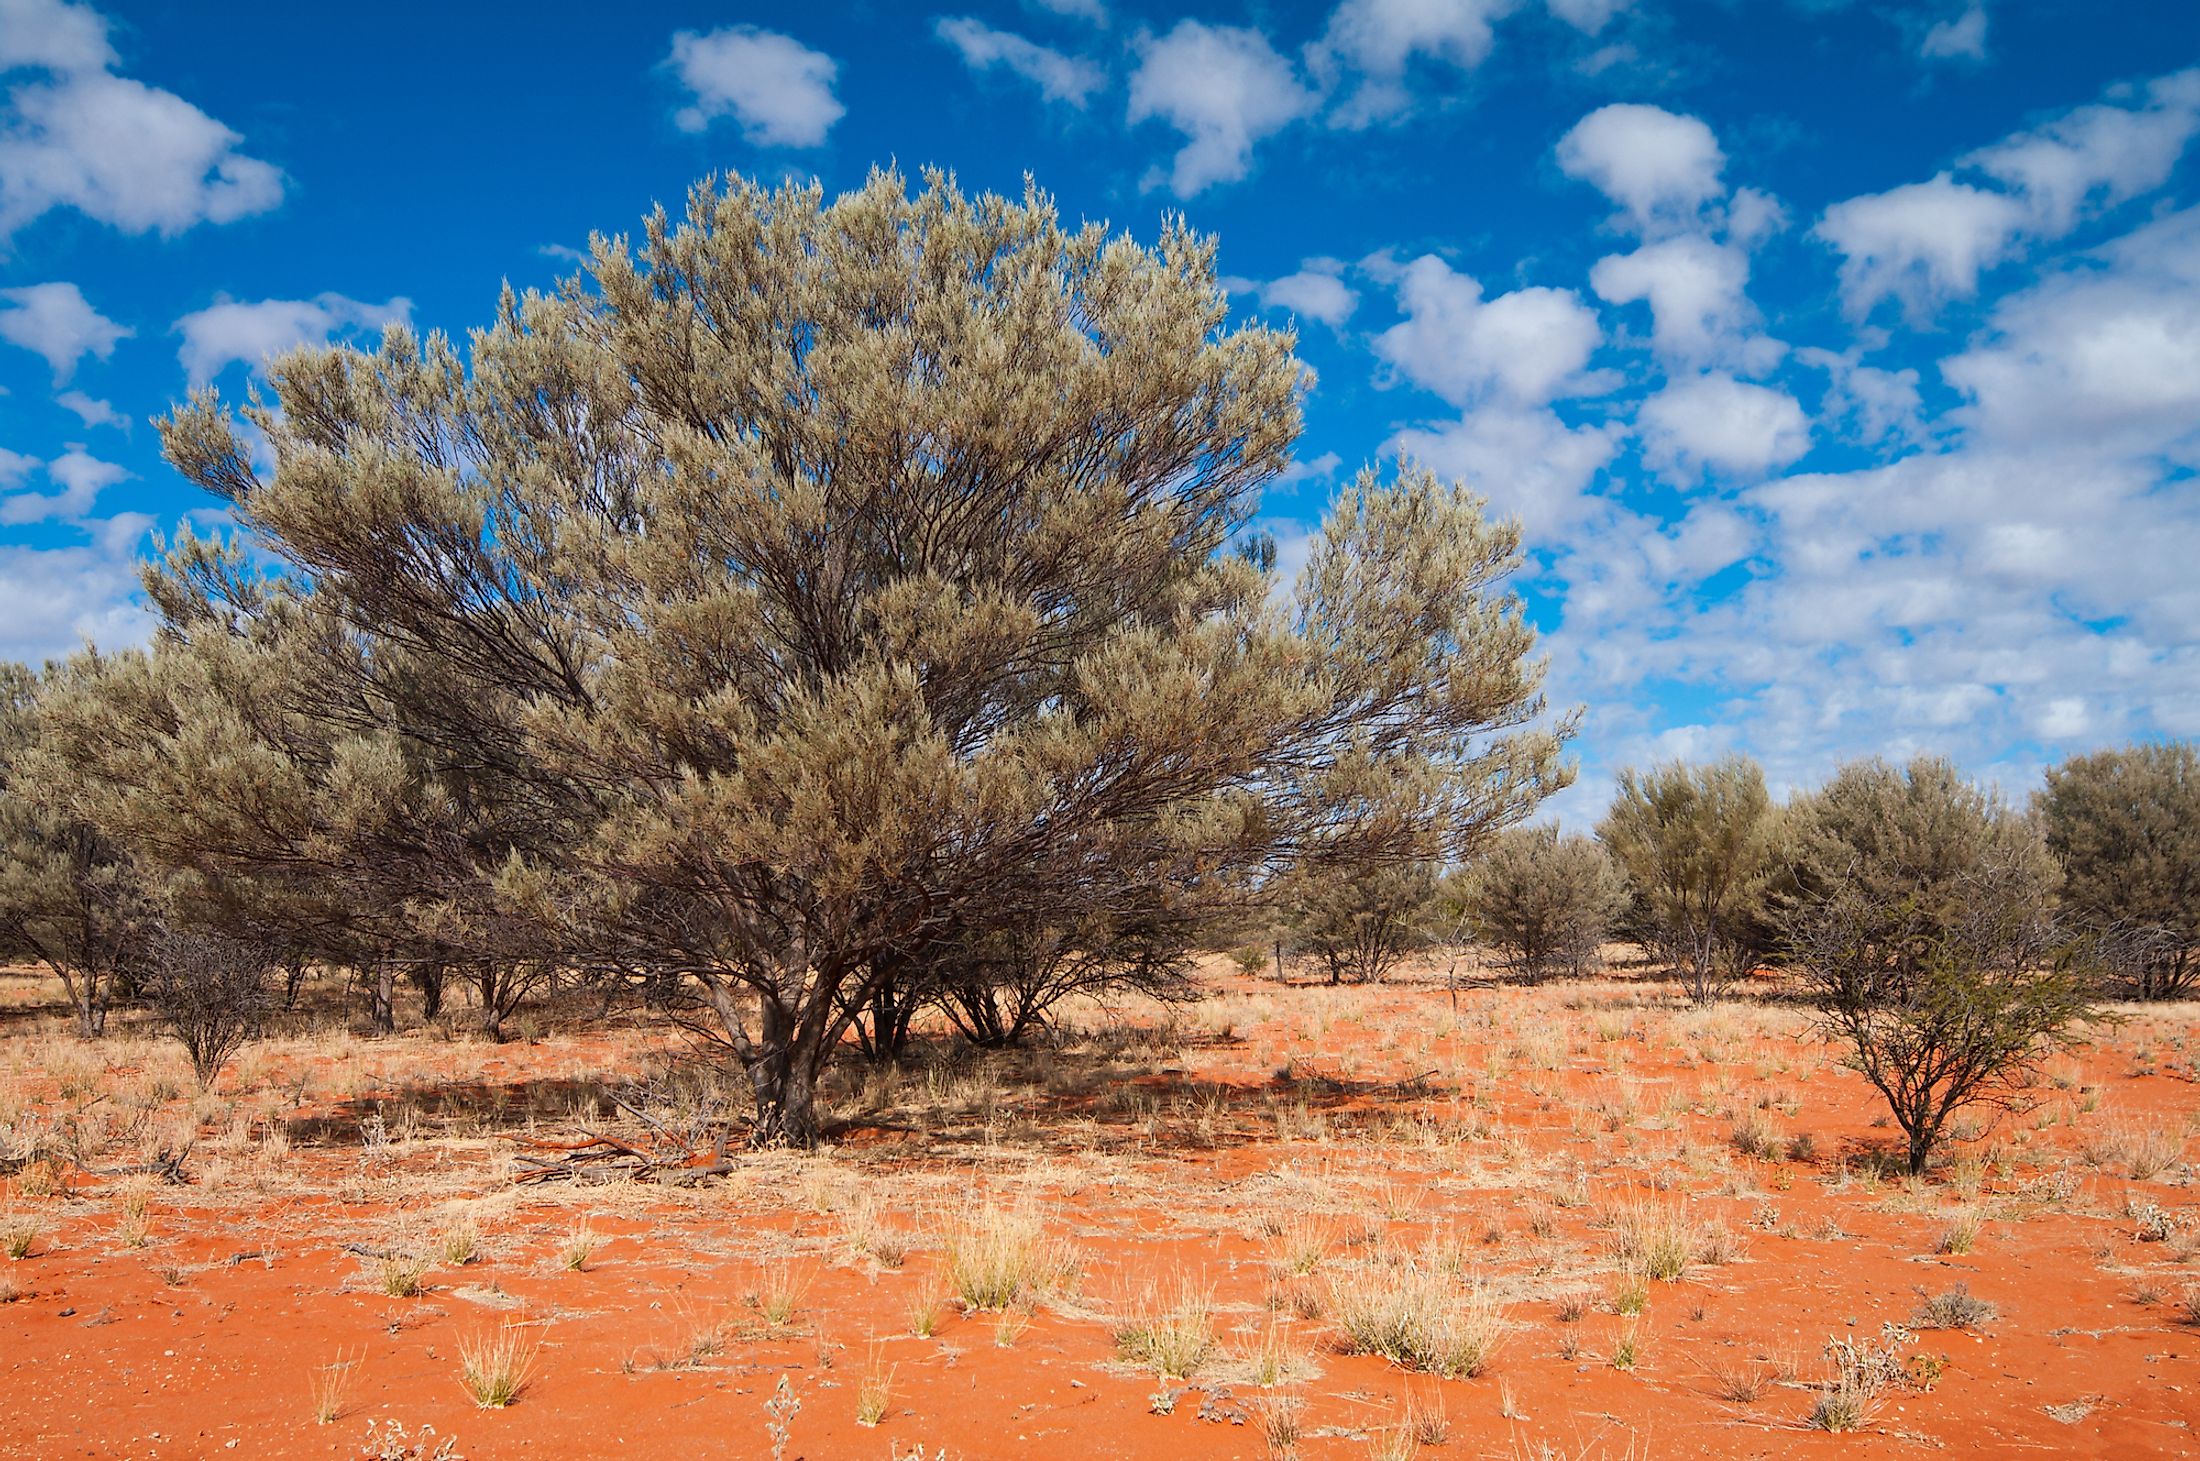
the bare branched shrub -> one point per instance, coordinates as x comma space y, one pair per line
213, 992
1947, 1008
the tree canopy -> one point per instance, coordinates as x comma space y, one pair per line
809, 588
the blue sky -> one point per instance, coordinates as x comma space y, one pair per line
1841, 358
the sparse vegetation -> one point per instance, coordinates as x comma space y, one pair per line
495, 1367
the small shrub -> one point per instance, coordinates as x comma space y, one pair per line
461, 1243
875, 1393
1955, 1309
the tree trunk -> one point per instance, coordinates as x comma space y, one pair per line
382, 999
430, 979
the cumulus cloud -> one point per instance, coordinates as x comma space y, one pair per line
1528, 462
57, 322
90, 411
55, 600
1959, 37
230, 331
78, 479
779, 91
2096, 156
1059, 77
1317, 291
1660, 167
1695, 290
51, 35
1921, 243
1529, 346
2105, 354
1374, 41
1926, 243
1716, 423
1587, 16
114, 149
1873, 406
1225, 88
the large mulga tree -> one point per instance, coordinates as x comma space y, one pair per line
812, 584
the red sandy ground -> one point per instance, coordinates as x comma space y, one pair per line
1539, 1111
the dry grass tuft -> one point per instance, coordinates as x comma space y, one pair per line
495, 1367
1169, 1329
1414, 1312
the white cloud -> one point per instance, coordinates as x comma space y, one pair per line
57, 322
2105, 355
1087, 10
1587, 16
1225, 88
14, 466
2100, 155
1878, 406
92, 412
80, 479
1376, 40
1527, 347
54, 600
1926, 243
114, 149
1714, 422
778, 90
1695, 290
231, 331
1958, 37
1062, 78
1315, 292
1527, 461
1660, 167
49, 35
1921, 243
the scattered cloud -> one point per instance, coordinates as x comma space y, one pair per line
114, 149
78, 479
1924, 244
1373, 42
55, 600
1660, 167
2104, 355
1317, 291
232, 331
1225, 88
90, 411
1530, 346
57, 322
779, 91
1093, 11
1960, 37
1587, 16
1059, 77
1715, 423
1695, 289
